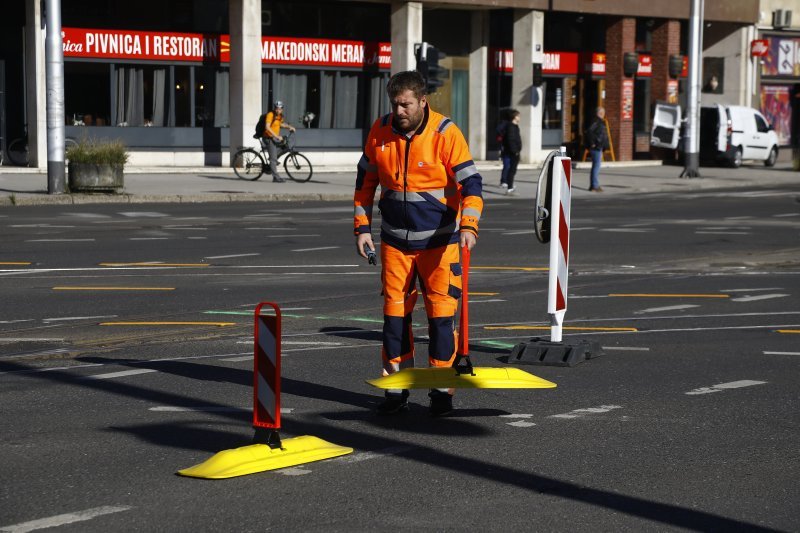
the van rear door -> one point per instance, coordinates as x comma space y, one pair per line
666, 130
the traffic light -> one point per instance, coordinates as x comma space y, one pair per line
428, 57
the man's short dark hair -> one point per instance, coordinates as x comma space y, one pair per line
408, 80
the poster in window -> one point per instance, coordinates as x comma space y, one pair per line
776, 106
627, 99
713, 75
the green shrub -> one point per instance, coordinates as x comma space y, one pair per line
98, 152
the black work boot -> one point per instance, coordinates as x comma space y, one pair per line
394, 403
441, 403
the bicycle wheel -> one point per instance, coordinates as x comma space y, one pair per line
297, 167
248, 164
18, 152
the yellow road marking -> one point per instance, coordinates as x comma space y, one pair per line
570, 328
219, 324
789, 331
525, 269
670, 295
113, 288
156, 264
483, 293
23, 263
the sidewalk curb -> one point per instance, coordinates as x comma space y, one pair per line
86, 199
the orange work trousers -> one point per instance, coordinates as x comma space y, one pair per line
439, 273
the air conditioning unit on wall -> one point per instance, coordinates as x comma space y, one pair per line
782, 18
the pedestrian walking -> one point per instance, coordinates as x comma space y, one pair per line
430, 206
596, 140
511, 147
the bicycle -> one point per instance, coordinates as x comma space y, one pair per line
250, 164
17, 150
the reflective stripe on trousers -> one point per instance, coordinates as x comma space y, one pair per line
439, 273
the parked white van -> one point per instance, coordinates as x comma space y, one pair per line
728, 134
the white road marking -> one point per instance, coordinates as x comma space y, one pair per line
30, 339
38, 226
753, 290
311, 343
366, 456
628, 230
124, 373
627, 348
722, 232
316, 249
758, 297
240, 359
579, 413
230, 256
76, 318
519, 415
522, 232
293, 471
583, 229
150, 214
197, 238
86, 215
15, 321
188, 228
787, 215
723, 386
64, 519
521, 424
149, 238
667, 308
781, 353
207, 409
59, 240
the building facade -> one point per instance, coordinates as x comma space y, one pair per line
186, 87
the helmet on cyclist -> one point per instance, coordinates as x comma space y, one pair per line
278, 104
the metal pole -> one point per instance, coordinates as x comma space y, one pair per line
54, 70
692, 139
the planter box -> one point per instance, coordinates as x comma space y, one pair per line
89, 177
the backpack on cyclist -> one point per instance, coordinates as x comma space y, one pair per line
261, 125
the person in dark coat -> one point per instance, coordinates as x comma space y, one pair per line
511, 147
596, 139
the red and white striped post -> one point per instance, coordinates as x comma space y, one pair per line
267, 376
560, 200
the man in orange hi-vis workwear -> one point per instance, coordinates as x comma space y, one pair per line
430, 204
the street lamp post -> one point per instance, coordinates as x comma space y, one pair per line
692, 140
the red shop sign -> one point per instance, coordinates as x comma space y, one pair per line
759, 47
199, 47
553, 63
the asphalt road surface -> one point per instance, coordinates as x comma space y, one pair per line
126, 341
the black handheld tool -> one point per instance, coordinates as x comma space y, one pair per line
371, 257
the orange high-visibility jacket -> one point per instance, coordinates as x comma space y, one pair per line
430, 187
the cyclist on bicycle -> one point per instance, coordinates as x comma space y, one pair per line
271, 137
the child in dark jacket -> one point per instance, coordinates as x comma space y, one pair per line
511, 146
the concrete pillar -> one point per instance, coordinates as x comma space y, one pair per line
666, 42
35, 89
406, 32
245, 70
527, 99
478, 84
620, 38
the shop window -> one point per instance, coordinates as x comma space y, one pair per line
212, 91
86, 93
182, 94
553, 111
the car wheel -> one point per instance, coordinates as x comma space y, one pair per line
736, 160
773, 157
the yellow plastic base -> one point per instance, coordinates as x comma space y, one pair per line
440, 378
260, 458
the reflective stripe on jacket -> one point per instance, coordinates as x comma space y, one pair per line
430, 187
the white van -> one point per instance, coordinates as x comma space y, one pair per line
729, 134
